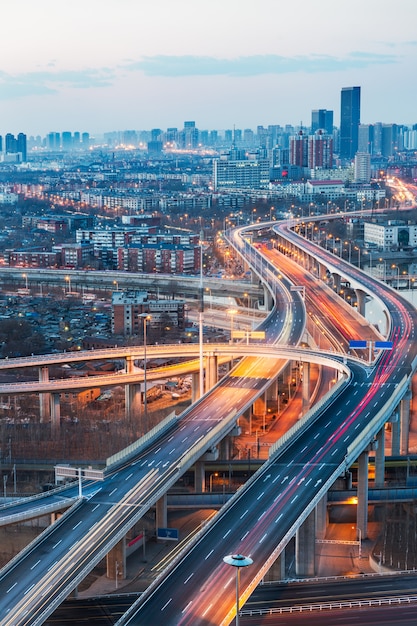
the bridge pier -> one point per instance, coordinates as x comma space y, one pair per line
305, 544
44, 398
211, 371
380, 459
321, 517
116, 561
199, 477
306, 388
395, 434
195, 386
361, 299
161, 510
55, 411
405, 422
133, 400
362, 510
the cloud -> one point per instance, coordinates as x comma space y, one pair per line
258, 65
47, 83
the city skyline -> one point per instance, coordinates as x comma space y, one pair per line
114, 64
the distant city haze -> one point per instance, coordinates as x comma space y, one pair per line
103, 65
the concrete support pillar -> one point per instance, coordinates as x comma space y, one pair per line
360, 297
130, 364
305, 544
336, 282
161, 517
44, 398
380, 459
55, 411
395, 434
195, 386
321, 518
224, 449
133, 400
199, 477
405, 423
248, 416
362, 510
306, 388
211, 372
116, 561
267, 299
277, 569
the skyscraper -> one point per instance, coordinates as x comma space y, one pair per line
350, 113
322, 119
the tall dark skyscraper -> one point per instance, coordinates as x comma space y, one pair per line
322, 119
350, 115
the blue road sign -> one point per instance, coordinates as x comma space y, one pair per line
169, 534
383, 345
353, 343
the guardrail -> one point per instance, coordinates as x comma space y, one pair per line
134, 448
329, 606
309, 416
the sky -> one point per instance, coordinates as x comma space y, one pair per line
104, 65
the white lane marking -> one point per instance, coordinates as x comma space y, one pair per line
35, 564
130, 476
10, 588
189, 578
112, 492
208, 555
243, 514
76, 525
166, 604
58, 542
228, 533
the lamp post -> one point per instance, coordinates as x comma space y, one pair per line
68, 280
232, 313
396, 267
25, 276
237, 561
211, 297
146, 318
215, 474
116, 284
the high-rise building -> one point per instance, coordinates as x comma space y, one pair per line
322, 119
350, 113
67, 141
362, 167
299, 150
320, 150
366, 138
54, 141
21, 146
11, 144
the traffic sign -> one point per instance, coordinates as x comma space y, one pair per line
169, 534
354, 343
383, 345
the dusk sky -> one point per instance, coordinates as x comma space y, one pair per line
103, 65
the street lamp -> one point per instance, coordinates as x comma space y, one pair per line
397, 267
116, 284
237, 561
68, 280
232, 313
146, 318
211, 297
215, 474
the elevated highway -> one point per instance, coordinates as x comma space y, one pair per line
260, 520
44, 574
263, 515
